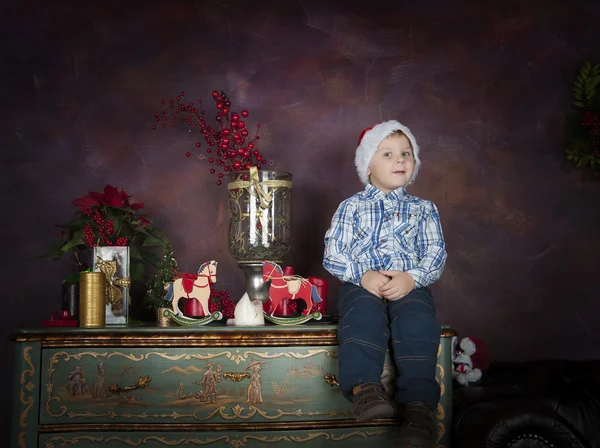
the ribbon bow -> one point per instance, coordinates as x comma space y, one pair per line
265, 198
113, 293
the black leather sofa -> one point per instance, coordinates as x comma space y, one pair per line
536, 404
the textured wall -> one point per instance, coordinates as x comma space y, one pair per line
484, 86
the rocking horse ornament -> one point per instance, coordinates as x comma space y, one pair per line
290, 287
192, 286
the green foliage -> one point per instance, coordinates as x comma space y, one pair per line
155, 287
583, 128
584, 88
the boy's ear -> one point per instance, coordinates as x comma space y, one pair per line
369, 171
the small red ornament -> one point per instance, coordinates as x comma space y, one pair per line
187, 154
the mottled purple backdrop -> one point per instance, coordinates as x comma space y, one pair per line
485, 87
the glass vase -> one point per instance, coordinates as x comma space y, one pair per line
260, 223
114, 262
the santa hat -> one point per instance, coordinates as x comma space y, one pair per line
370, 139
481, 360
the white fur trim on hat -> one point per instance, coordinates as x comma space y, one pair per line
371, 140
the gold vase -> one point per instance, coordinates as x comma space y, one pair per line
92, 300
161, 320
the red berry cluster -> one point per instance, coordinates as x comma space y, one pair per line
234, 148
221, 303
590, 121
88, 234
103, 232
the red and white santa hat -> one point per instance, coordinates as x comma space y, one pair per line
370, 139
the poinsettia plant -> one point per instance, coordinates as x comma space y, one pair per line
110, 219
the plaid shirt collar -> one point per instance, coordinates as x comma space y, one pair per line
373, 193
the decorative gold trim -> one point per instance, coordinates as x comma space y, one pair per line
216, 427
238, 413
441, 432
27, 401
190, 337
234, 442
440, 411
236, 377
23, 439
238, 358
186, 337
331, 379
29, 386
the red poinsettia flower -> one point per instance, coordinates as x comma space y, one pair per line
97, 196
125, 198
137, 205
85, 201
112, 197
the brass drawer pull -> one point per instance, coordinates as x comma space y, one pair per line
331, 379
236, 376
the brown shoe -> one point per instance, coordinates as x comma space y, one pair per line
416, 430
369, 402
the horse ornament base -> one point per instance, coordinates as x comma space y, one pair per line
293, 320
191, 322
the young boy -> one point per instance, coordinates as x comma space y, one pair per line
387, 247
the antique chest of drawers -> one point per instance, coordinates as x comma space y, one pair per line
215, 385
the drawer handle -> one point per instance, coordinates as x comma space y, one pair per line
331, 379
236, 376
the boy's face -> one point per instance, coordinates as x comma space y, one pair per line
392, 165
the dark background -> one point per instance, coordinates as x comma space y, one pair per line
485, 87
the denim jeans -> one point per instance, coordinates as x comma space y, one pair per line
369, 326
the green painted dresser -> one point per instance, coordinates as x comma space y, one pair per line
215, 385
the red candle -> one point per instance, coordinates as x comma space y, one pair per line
192, 308
284, 309
322, 289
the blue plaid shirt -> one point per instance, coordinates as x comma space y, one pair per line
372, 231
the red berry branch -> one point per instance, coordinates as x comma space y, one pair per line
220, 301
229, 144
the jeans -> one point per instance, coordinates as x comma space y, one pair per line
367, 328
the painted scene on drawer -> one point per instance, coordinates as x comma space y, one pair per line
183, 385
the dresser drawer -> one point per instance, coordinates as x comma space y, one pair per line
189, 385
344, 437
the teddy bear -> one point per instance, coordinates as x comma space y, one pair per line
469, 360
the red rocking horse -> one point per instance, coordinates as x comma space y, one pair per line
289, 287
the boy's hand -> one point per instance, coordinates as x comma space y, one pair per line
373, 282
400, 285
